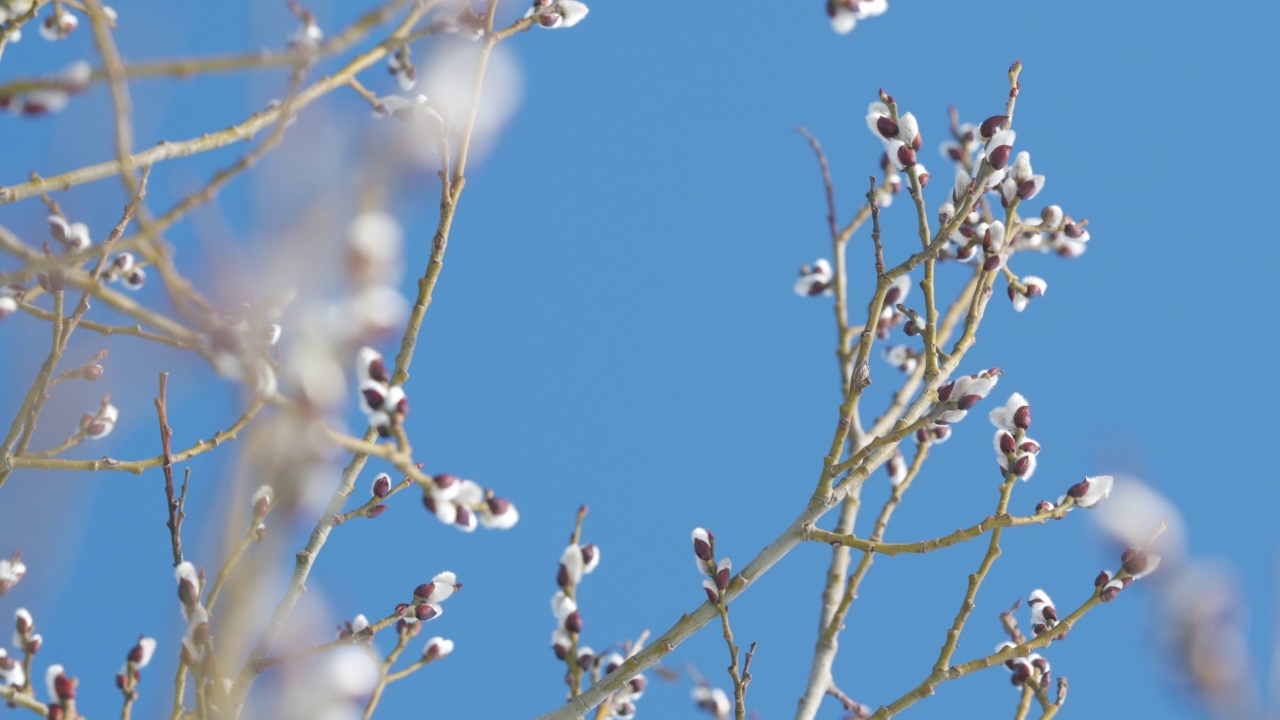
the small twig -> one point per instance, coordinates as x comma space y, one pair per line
826, 178
273, 660
138, 466
1010, 623
988, 524
1024, 703
875, 226
175, 504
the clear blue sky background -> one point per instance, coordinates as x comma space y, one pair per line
615, 326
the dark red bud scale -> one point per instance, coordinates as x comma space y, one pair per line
375, 511
702, 548
906, 156
1022, 465
991, 263
712, 594
1103, 578
999, 158
1007, 445
723, 576
887, 127
423, 591
924, 180
187, 592
381, 486
990, 125
373, 398
1022, 417
562, 577
944, 392
1078, 490
588, 553
1027, 190
1044, 506
424, 612
1021, 672
968, 401
1072, 230
573, 623
917, 142
378, 371
463, 517
1134, 562
92, 372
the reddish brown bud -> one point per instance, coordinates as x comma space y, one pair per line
1021, 465
1022, 417
638, 684
944, 392
378, 371
991, 125
702, 548
723, 576
91, 372
991, 263
1133, 562
1079, 489
1103, 578
968, 401
1072, 230
906, 156
1021, 672
1030, 446
463, 517
573, 623
375, 511
712, 594
500, 506
423, 591
887, 127
1006, 443
999, 157
424, 613
373, 398
1044, 506
402, 609
381, 486
187, 593
918, 141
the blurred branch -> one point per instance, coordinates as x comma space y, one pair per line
991, 523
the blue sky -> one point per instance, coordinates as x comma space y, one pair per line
615, 326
